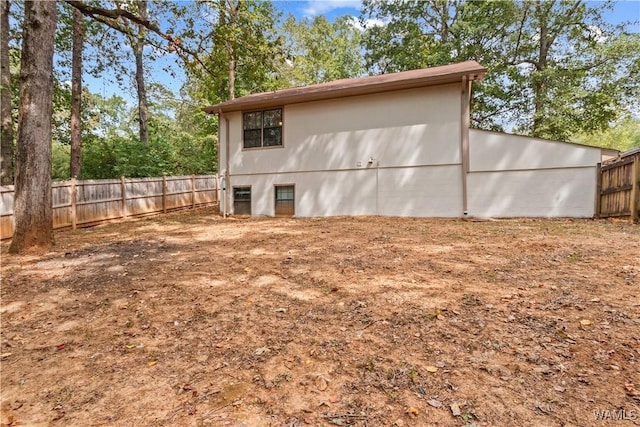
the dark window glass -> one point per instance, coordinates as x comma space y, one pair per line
242, 193
262, 128
272, 137
253, 120
252, 138
273, 118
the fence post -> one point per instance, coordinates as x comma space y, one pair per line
164, 194
193, 191
123, 192
634, 203
74, 201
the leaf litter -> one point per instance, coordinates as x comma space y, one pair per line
414, 321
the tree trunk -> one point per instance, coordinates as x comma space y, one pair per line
138, 50
232, 76
539, 86
6, 129
32, 210
234, 11
76, 94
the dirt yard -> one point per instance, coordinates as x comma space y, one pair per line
189, 319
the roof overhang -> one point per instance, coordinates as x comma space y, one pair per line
351, 87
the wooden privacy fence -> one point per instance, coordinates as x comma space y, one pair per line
81, 203
619, 187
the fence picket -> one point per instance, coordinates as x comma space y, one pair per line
619, 188
76, 203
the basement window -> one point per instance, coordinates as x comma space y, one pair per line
285, 200
262, 128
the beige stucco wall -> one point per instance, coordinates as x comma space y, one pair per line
502, 151
413, 138
327, 145
516, 176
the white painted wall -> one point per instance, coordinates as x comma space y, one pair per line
516, 176
327, 145
501, 151
434, 191
414, 138
533, 193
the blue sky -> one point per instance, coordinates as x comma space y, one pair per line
622, 11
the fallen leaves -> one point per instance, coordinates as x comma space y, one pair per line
455, 409
413, 411
321, 383
632, 391
435, 403
507, 332
261, 350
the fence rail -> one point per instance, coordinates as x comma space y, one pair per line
81, 203
619, 188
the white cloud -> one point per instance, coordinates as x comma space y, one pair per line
596, 33
368, 23
320, 7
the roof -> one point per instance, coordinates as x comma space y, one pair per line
350, 87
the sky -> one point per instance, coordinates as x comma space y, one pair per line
628, 10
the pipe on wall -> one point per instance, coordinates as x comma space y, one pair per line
464, 137
226, 173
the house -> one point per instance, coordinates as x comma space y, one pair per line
395, 145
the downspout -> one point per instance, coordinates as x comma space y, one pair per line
464, 138
220, 181
227, 181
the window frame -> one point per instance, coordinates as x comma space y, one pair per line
293, 200
262, 129
248, 201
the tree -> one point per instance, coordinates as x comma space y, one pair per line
138, 51
555, 68
416, 34
76, 94
136, 35
131, 20
575, 68
320, 51
242, 51
32, 204
6, 120
624, 136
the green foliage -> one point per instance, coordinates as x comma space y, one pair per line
60, 156
555, 68
243, 31
320, 51
182, 139
622, 137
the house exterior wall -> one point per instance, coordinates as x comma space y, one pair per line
516, 176
414, 140
412, 136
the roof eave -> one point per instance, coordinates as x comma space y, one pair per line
354, 88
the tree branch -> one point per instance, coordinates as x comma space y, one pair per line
107, 16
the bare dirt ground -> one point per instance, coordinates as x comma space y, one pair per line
189, 319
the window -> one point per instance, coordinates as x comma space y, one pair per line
242, 200
285, 200
262, 128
